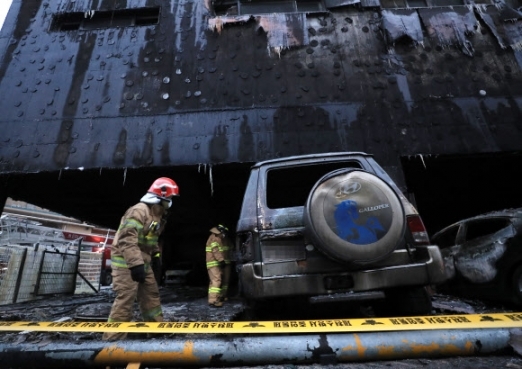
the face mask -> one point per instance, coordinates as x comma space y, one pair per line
166, 204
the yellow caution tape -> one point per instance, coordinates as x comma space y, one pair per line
471, 321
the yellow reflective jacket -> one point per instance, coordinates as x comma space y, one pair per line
217, 250
137, 236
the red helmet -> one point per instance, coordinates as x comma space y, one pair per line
164, 188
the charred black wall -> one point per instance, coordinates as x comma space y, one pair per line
194, 88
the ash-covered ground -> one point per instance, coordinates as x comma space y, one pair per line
180, 304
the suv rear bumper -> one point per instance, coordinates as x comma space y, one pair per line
430, 271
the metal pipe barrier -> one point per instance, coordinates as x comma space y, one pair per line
227, 350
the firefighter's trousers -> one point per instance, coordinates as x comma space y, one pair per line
127, 291
214, 287
218, 286
225, 280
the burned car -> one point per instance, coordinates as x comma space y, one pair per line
483, 256
333, 227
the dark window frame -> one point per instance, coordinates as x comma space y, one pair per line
417, 4
104, 19
448, 238
485, 227
258, 7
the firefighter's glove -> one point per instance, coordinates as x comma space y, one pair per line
222, 264
138, 273
156, 264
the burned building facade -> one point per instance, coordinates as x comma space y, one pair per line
100, 97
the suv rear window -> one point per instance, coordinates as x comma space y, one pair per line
289, 186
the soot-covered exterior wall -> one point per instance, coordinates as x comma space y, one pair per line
195, 88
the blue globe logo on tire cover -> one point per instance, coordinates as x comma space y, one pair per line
349, 227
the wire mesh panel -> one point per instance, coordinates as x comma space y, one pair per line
11, 260
58, 273
90, 268
29, 273
30, 269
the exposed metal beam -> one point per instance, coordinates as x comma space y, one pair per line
260, 350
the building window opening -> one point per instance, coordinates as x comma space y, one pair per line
92, 19
245, 7
415, 4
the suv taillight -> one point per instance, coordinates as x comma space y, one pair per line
418, 231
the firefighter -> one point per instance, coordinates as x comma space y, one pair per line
218, 265
134, 253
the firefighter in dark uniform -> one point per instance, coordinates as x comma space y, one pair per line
218, 265
135, 255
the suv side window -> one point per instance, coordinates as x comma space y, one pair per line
289, 186
485, 227
448, 238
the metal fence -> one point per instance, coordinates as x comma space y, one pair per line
11, 287
28, 273
57, 273
89, 272
21, 231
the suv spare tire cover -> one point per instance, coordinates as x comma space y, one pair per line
354, 216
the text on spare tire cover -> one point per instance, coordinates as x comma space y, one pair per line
359, 212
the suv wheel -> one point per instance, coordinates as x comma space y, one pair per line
354, 216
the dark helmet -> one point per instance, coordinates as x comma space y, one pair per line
219, 229
222, 228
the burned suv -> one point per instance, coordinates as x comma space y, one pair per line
333, 227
